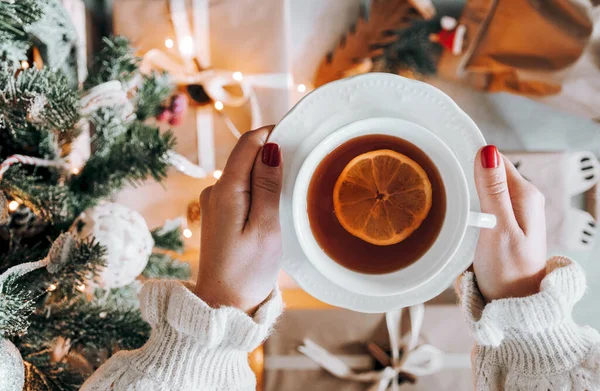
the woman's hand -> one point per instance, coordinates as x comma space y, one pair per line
510, 259
240, 251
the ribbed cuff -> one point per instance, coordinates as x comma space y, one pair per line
193, 344
534, 334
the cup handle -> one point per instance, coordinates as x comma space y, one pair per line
481, 220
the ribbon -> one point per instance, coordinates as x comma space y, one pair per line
109, 94
194, 46
32, 161
115, 94
417, 360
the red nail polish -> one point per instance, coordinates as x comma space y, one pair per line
271, 155
490, 158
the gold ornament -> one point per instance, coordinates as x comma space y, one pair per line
35, 380
4, 213
194, 212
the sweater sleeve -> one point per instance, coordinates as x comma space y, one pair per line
532, 343
191, 347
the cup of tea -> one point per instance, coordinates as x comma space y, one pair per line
381, 205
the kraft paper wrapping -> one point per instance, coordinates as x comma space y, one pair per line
345, 333
249, 36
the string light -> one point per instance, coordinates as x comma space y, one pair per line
169, 43
301, 88
24, 64
13, 205
52, 287
219, 105
186, 46
237, 76
187, 233
81, 288
102, 314
75, 170
217, 174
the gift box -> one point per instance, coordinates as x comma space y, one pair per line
345, 334
241, 39
561, 177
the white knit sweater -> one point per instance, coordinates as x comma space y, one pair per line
529, 343
532, 343
192, 346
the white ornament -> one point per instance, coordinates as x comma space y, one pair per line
12, 370
126, 237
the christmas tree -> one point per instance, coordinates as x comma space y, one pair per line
70, 260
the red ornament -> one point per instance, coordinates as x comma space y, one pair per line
175, 120
164, 115
179, 104
453, 39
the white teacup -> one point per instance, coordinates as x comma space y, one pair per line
458, 214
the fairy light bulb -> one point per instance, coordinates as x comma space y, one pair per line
13, 205
81, 288
52, 287
219, 105
301, 88
24, 64
237, 76
169, 43
75, 170
187, 233
217, 174
186, 46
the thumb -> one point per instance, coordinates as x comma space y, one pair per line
266, 188
492, 186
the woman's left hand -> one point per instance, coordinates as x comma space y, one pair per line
240, 253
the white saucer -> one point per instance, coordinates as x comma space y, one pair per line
345, 101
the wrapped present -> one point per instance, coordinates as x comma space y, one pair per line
327, 349
560, 176
230, 57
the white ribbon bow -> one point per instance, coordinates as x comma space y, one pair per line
417, 360
194, 46
214, 82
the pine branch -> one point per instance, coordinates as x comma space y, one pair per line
37, 109
87, 325
55, 203
154, 90
84, 263
367, 37
413, 50
168, 238
115, 61
109, 126
123, 297
15, 17
17, 303
137, 154
164, 267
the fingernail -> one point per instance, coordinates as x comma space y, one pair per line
270, 155
490, 158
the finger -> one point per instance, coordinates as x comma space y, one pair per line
204, 198
492, 185
236, 174
235, 184
514, 178
266, 189
528, 202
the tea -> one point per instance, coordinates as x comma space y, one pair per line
347, 249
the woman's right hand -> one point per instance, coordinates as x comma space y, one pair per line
510, 259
